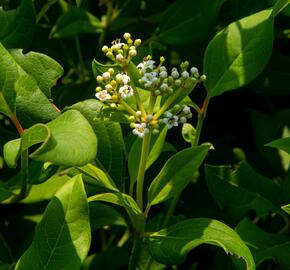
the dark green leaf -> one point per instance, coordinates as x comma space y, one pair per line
5, 193
124, 200
62, 238
177, 172
171, 245
16, 29
264, 245
103, 215
228, 189
182, 22
283, 144
76, 21
237, 54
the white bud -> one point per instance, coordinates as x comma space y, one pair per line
99, 79
106, 75
127, 36
133, 52
119, 57
105, 49
193, 70
182, 119
185, 74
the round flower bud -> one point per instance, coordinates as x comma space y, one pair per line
162, 68
119, 78
182, 119
110, 55
113, 83
163, 74
133, 52
185, 74
98, 89
105, 49
178, 82
127, 36
170, 90
176, 107
99, 79
137, 42
193, 70
164, 87
119, 57
131, 118
157, 92
132, 125
203, 78
175, 74
155, 131
108, 87
111, 71
113, 105
106, 75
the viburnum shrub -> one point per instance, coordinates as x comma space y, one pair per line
104, 178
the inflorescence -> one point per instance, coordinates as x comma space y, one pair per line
117, 87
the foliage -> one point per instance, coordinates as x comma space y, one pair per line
105, 144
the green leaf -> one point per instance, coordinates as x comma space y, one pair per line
76, 21
264, 245
62, 238
124, 200
182, 22
103, 215
73, 141
240, 192
5, 193
46, 190
41, 67
156, 146
103, 179
188, 133
99, 68
238, 53
11, 152
17, 30
283, 144
171, 245
177, 172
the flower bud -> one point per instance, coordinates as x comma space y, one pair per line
193, 70
137, 42
111, 71
133, 52
119, 57
203, 78
105, 49
155, 131
99, 79
106, 75
98, 89
113, 105
178, 82
110, 55
127, 36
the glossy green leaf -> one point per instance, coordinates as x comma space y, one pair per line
41, 67
238, 53
45, 190
73, 141
182, 21
265, 245
11, 152
103, 215
124, 200
283, 144
188, 133
62, 238
171, 245
102, 179
111, 148
17, 30
242, 196
177, 172
76, 21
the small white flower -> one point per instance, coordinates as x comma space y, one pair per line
171, 121
140, 130
122, 78
174, 73
146, 65
150, 79
186, 109
103, 95
126, 91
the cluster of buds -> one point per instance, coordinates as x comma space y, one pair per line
114, 88
161, 81
121, 52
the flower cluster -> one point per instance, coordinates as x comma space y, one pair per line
113, 87
156, 83
161, 81
121, 52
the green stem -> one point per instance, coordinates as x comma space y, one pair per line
128, 108
137, 241
142, 169
44, 9
81, 59
24, 174
201, 117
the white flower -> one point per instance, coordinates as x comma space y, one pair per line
122, 78
103, 95
174, 73
163, 74
140, 130
185, 74
150, 79
126, 91
145, 65
170, 120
